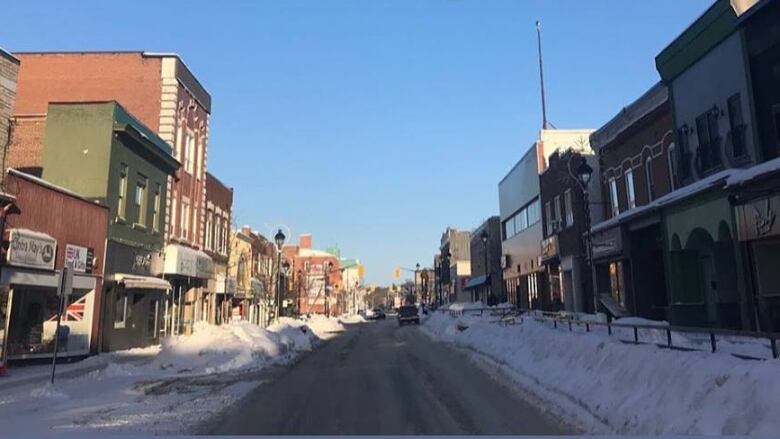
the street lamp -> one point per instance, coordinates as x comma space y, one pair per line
279, 239
584, 174
484, 237
328, 268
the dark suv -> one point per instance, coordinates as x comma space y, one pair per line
408, 314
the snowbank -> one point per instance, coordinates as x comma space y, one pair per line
161, 389
610, 387
352, 319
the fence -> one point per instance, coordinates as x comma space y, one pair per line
688, 338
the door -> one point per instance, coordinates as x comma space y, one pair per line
710, 284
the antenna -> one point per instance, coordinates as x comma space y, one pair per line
541, 73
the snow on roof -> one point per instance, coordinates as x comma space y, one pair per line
672, 197
308, 252
754, 172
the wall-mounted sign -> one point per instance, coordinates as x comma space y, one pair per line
549, 247
80, 257
31, 249
758, 218
607, 243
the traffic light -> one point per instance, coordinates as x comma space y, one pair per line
397, 273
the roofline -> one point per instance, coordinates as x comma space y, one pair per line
44, 183
210, 175
9, 56
657, 88
532, 147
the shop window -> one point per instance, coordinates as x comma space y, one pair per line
120, 310
616, 284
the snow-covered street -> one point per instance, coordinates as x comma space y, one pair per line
606, 386
171, 388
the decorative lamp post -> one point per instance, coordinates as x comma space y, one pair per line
584, 174
279, 239
328, 268
484, 238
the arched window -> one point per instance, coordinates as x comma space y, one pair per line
649, 178
672, 163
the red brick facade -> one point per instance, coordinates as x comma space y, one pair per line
25, 151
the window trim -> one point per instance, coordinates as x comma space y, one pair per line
613, 196
628, 175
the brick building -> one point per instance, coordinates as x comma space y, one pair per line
636, 151
486, 277
567, 280
9, 68
47, 226
317, 278
160, 91
215, 306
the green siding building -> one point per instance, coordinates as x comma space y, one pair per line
101, 151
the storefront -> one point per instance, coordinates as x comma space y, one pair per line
188, 271
29, 300
612, 268
135, 298
224, 289
758, 230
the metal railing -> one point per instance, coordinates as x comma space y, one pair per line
574, 322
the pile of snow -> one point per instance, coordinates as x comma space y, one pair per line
610, 387
351, 319
465, 306
168, 388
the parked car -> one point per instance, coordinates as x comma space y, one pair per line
376, 314
408, 314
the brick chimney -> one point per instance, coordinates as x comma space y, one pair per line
304, 241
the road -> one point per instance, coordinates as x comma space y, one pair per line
377, 378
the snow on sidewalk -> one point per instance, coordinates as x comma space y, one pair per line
610, 387
169, 388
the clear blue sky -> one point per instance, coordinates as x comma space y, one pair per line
375, 124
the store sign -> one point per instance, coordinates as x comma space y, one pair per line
80, 258
30, 249
758, 219
607, 243
122, 258
550, 247
185, 261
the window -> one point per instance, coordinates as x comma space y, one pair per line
177, 151
189, 151
557, 222
156, 207
172, 220
185, 219
509, 228
209, 242
567, 207
736, 126
616, 283
613, 197
629, 174
523, 219
707, 133
121, 199
649, 178
120, 310
140, 198
548, 220
776, 118
533, 212
672, 163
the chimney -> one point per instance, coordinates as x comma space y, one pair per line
304, 241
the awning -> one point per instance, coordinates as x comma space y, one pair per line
257, 287
49, 279
477, 281
185, 261
613, 306
140, 282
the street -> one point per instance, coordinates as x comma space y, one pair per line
379, 378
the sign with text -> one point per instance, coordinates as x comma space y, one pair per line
79, 257
758, 218
30, 249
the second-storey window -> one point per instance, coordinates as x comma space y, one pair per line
185, 219
649, 178
140, 198
156, 211
613, 197
122, 195
567, 207
557, 223
629, 174
189, 151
